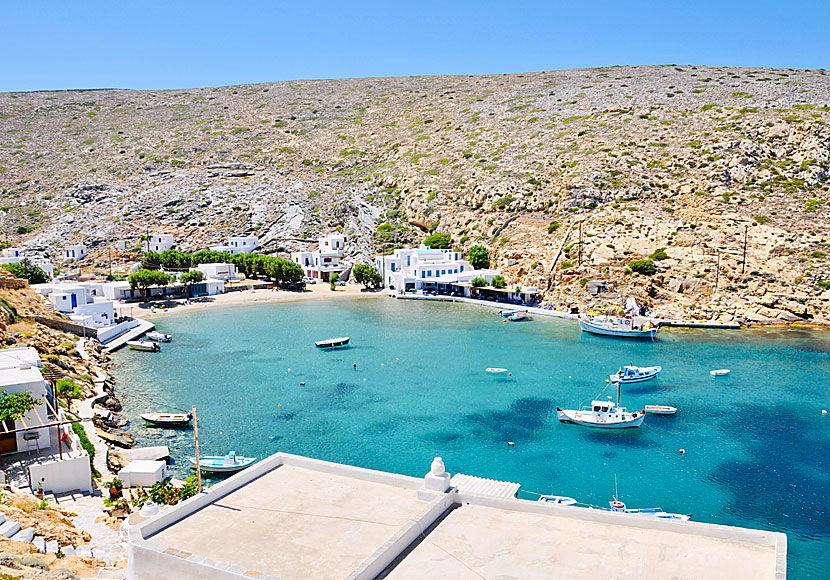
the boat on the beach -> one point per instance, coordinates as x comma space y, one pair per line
167, 419
719, 372
495, 371
603, 415
660, 409
632, 374
338, 342
222, 463
145, 345
158, 336
620, 326
557, 499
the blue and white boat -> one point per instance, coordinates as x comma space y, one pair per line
222, 463
619, 507
329, 343
632, 374
603, 415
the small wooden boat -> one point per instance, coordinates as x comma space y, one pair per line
495, 371
222, 463
557, 499
167, 419
660, 409
719, 372
158, 336
517, 316
620, 326
338, 342
632, 374
145, 345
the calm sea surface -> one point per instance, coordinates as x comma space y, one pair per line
757, 446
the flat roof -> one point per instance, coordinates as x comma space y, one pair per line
477, 542
296, 524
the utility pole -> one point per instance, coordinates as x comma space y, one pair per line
109, 253
717, 271
746, 234
580, 243
196, 441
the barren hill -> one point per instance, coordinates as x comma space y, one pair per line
690, 159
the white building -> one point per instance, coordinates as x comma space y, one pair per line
12, 253
15, 256
120, 245
85, 303
443, 271
19, 372
218, 271
325, 260
238, 245
74, 252
159, 243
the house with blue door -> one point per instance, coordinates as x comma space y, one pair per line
431, 269
74, 252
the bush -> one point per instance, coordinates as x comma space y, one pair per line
333, 280
78, 428
553, 227
68, 387
478, 282
479, 257
645, 267
439, 241
817, 254
659, 254
28, 271
566, 265
762, 219
367, 275
498, 282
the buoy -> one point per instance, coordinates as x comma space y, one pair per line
396, 358
569, 376
279, 405
504, 321
354, 365
824, 411
382, 364
289, 370
682, 451
606, 380
510, 443
364, 378
509, 374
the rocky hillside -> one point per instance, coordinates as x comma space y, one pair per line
690, 159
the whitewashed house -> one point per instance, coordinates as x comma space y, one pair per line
11, 253
238, 245
16, 255
160, 242
218, 271
120, 245
85, 303
119, 290
74, 252
424, 268
325, 260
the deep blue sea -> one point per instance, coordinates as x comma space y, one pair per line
757, 447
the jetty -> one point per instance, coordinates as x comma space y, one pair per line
144, 326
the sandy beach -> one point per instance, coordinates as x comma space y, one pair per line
160, 309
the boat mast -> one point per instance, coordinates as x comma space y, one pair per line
618, 393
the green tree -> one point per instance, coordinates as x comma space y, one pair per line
143, 279
498, 282
479, 257
175, 260
16, 405
659, 254
151, 261
291, 272
209, 257
333, 280
439, 241
191, 277
645, 267
367, 275
478, 282
28, 271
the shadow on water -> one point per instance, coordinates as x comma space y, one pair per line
627, 438
772, 475
521, 422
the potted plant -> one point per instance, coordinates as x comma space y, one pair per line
115, 486
39, 492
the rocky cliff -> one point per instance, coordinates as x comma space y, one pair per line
695, 160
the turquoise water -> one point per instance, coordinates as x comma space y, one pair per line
757, 446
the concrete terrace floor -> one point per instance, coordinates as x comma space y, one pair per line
477, 542
296, 524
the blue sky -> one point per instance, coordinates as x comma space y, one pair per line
181, 44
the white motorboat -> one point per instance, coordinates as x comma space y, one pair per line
495, 371
145, 345
603, 414
632, 374
660, 409
167, 419
329, 343
719, 372
620, 326
557, 499
222, 463
157, 336
619, 507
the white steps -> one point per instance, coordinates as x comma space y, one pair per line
9, 529
40, 543
68, 551
52, 546
24, 535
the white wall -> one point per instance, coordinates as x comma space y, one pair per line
63, 474
109, 332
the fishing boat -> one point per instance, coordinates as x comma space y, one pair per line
719, 372
495, 371
620, 326
632, 374
222, 463
338, 342
167, 419
603, 415
518, 315
660, 409
145, 345
557, 499
617, 506
158, 336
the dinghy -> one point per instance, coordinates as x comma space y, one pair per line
495, 371
338, 342
517, 316
222, 463
167, 419
557, 499
660, 410
145, 345
158, 336
719, 372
